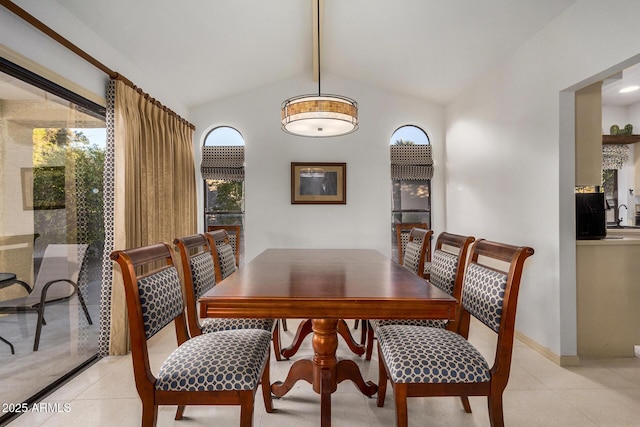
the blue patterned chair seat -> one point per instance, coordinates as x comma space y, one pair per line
416, 354
226, 360
221, 324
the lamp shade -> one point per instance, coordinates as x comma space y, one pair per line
319, 116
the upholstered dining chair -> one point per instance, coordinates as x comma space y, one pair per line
219, 368
443, 362
403, 235
221, 245
449, 262
403, 232
234, 235
225, 258
198, 268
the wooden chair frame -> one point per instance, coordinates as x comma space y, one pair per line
131, 262
231, 230
237, 229
214, 237
189, 247
422, 235
402, 229
482, 250
443, 242
406, 228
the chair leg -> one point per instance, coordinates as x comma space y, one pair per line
246, 408
370, 336
84, 307
149, 414
275, 337
36, 341
363, 331
284, 325
382, 380
465, 404
179, 412
355, 325
266, 388
400, 397
496, 416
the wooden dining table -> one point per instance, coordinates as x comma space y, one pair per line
326, 285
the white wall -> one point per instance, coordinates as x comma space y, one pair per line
24, 39
509, 147
510, 160
364, 222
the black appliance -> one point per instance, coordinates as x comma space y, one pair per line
591, 222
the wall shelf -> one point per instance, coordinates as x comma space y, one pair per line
620, 139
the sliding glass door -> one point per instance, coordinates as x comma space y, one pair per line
52, 147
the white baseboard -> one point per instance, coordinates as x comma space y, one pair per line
555, 358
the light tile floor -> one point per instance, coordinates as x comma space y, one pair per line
540, 393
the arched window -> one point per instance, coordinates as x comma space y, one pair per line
223, 136
411, 173
222, 170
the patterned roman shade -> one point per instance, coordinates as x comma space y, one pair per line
223, 162
411, 162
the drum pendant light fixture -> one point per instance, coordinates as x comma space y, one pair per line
320, 115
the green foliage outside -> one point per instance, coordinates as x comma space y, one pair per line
225, 196
67, 166
403, 142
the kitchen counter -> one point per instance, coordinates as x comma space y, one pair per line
608, 294
611, 240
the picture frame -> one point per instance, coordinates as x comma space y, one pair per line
318, 183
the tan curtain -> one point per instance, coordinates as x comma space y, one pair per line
155, 188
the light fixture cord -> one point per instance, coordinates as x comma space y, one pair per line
319, 68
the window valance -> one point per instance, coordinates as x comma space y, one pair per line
223, 162
411, 162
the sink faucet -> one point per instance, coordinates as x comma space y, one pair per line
617, 213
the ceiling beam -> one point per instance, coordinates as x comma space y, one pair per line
315, 40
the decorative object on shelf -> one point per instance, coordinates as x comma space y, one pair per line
614, 129
319, 115
614, 156
318, 183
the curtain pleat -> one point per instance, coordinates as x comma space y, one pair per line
155, 188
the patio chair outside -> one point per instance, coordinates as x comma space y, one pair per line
57, 281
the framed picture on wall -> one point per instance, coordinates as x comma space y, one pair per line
318, 183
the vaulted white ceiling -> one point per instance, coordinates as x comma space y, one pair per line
208, 49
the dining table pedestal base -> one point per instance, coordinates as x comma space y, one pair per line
305, 328
324, 372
